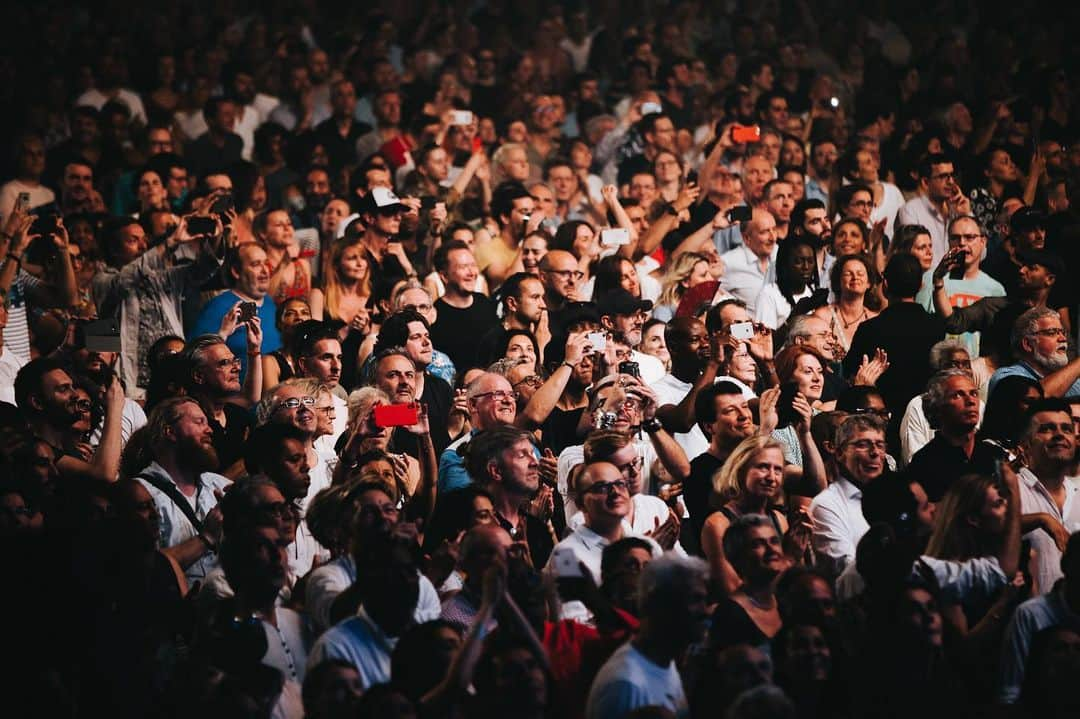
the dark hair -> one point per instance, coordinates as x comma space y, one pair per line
705, 402
394, 331
416, 666
798, 214
1002, 420
926, 164
566, 235
614, 552
451, 515
265, 444
309, 333
502, 199
28, 380
786, 281
903, 276
486, 446
608, 273
239, 506
855, 397
511, 286
441, 260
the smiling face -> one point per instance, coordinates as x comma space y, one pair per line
848, 239
854, 278
520, 346
809, 376
605, 497
863, 456
765, 473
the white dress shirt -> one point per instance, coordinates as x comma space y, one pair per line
325, 583
743, 276
1034, 498
839, 524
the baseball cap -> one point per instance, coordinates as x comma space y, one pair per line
381, 199
1027, 218
621, 302
1049, 260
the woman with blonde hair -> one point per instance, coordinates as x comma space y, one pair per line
689, 270
346, 287
749, 482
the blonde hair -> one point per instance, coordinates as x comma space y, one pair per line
362, 400
729, 482
671, 287
332, 286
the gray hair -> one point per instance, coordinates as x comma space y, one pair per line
958, 218
382, 354
855, 423
798, 328
665, 576
504, 365
410, 284
474, 387
196, 348
941, 353
934, 398
737, 537
499, 157
1026, 325
264, 411
362, 400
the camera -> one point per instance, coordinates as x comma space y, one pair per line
605, 420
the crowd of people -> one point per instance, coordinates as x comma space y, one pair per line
582, 359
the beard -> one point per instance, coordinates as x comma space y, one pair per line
1053, 360
198, 456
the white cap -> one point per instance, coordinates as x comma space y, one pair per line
384, 197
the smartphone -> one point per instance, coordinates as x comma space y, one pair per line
396, 415
831, 103
23, 202
615, 236
222, 204
956, 272
598, 340
102, 335
650, 108
427, 202
477, 144
785, 410
197, 225
248, 310
461, 117
631, 368
567, 564
744, 134
742, 331
739, 213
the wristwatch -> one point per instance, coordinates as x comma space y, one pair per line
652, 426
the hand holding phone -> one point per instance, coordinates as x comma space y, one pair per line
614, 236
397, 415
743, 331
956, 272
248, 310
745, 134
739, 213
598, 340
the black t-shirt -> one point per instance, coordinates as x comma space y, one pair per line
229, 440
696, 491
559, 430
457, 331
438, 396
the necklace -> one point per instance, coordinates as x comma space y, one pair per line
843, 320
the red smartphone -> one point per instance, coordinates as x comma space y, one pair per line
396, 415
743, 134
477, 144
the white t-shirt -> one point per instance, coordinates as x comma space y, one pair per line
9, 194
629, 680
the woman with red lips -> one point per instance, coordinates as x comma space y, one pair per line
749, 482
804, 366
751, 614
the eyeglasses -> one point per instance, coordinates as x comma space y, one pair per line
619, 485
499, 395
633, 465
83, 405
965, 238
327, 411
421, 309
281, 510
944, 176
882, 413
226, 363
577, 275
532, 381
861, 203
1051, 332
865, 445
294, 402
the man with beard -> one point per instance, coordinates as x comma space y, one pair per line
512, 206
214, 379
249, 272
1041, 349
461, 310
523, 306
810, 220
1049, 446
184, 490
45, 394
621, 312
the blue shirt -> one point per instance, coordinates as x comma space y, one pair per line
1023, 369
214, 311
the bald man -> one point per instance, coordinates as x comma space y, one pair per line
750, 268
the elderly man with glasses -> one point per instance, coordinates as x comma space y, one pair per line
1041, 349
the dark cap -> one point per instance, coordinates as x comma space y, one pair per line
1049, 260
621, 302
1027, 218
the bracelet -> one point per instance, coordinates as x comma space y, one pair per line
253, 354
209, 545
567, 364
13, 256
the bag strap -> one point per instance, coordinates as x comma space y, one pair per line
169, 489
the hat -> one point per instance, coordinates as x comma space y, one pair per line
343, 225
1049, 260
621, 302
381, 199
1027, 218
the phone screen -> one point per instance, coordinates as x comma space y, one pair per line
396, 415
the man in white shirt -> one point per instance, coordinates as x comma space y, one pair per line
940, 198
1049, 446
642, 673
10, 363
184, 491
837, 511
604, 498
750, 267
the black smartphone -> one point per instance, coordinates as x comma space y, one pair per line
785, 409
198, 225
247, 311
222, 204
739, 213
956, 272
427, 202
631, 368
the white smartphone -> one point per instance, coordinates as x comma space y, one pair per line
648, 108
566, 563
615, 236
598, 340
462, 117
742, 330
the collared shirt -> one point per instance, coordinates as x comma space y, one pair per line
743, 276
574, 455
361, 642
920, 211
1035, 499
973, 580
325, 583
1023, 369
915, 429
649, 513
940, 463
839, 524
173, 526
1030, 618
